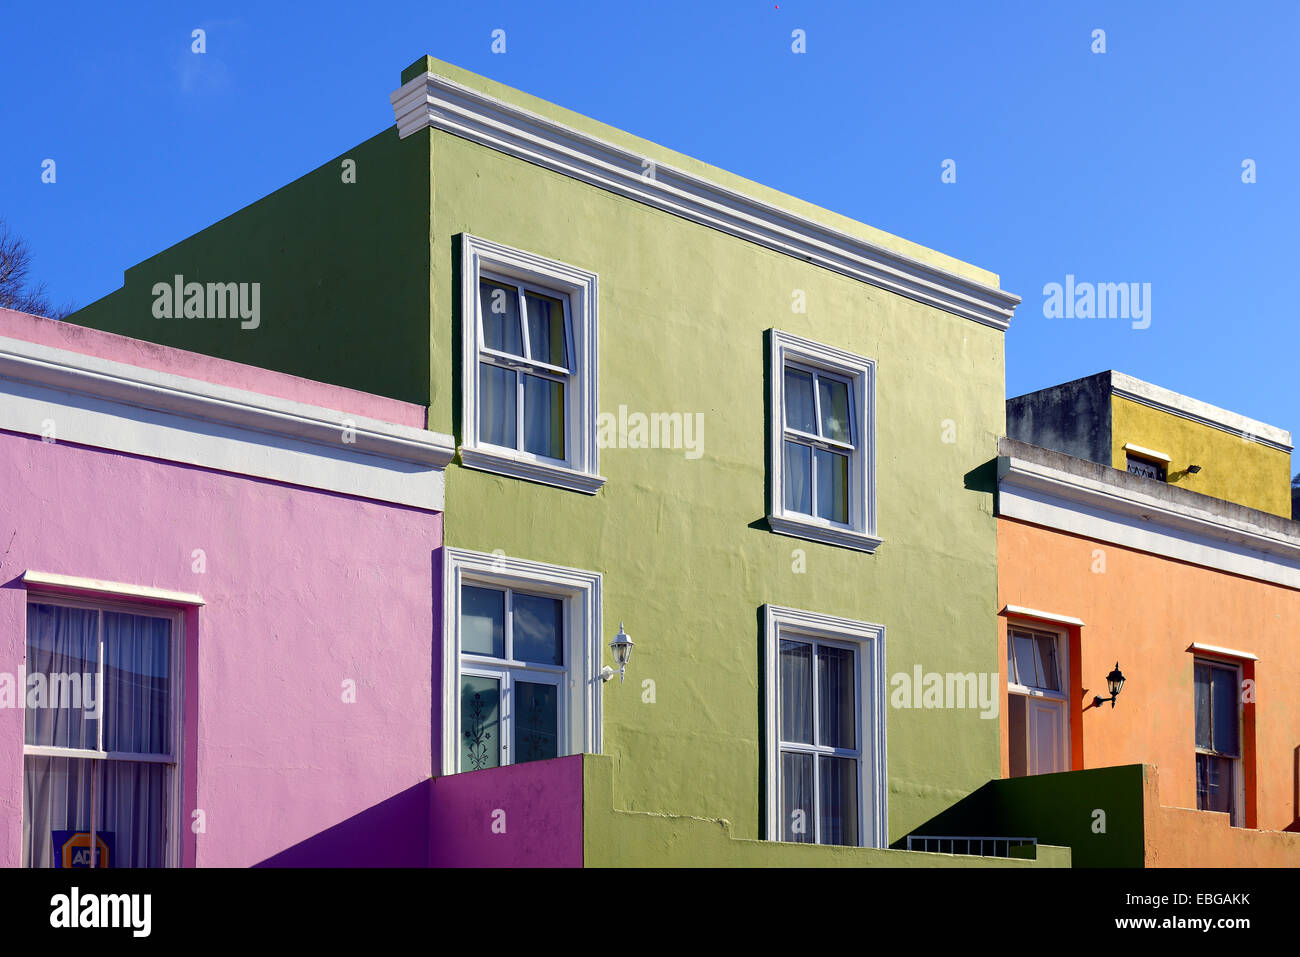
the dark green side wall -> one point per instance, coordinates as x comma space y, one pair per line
343, 268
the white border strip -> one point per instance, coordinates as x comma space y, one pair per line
429, 100
1021, 612
95, 586
86, 400
1053, 498
1146, 453
1226, 652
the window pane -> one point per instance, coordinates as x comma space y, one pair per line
538, 629
796, 797
56, 797
1017, 735
835, 409
799, 401
544, 416
135, 808
1049, 672
137, 679
796, 692
798, 478
1224, 699
480, 723
499, 306
832, 486
483, 621
839, 801
1026, 668
546, 329
536, 722
1213, 783
1201, 696
62, 690
496, 405
837, 722
1046, 725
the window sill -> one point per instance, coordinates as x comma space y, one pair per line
558, 476
843, 537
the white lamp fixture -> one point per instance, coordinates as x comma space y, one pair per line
621, 646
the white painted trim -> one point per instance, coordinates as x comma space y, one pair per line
1226, 652
580, 471
94, 586
1127, 387
1051, 497
112, 405
1146, 453
860, 533
873, 783
584, 617
429, 100
1020, 611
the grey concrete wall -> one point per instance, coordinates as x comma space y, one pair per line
1073, 418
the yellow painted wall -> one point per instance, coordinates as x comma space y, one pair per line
1232, 468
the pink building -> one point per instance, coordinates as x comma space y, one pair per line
218, 609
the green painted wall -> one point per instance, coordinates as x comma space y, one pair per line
613, 838
1233, 468
1061, 810
343, 269
367, 297
687, 559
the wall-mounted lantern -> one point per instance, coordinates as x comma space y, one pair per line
621, 646
1114, 681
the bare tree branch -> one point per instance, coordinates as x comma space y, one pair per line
16, 292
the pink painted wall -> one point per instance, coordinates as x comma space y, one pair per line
303, 590
537, 809
149, 355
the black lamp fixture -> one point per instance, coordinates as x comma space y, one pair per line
1115, 682
1193, 469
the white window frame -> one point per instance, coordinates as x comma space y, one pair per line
175, 785
579, 470
868, 642
1032, 692
580, 693
1237, 816
860, 530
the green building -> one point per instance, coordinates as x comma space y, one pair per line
757, 435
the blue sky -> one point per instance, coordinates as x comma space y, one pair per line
1122, 166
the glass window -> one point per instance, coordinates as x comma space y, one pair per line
821, 443
100, 760
1216, 701
819, 752
524, 368
1037, 723
513, 657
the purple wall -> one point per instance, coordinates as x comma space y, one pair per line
536, 809
303, 590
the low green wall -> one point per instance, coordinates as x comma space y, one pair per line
1095, 813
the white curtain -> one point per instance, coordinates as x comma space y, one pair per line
62, 645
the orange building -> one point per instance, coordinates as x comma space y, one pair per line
1109, 561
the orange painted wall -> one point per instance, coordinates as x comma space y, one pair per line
1177, 837
1144, 611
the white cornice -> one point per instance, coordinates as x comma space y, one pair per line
430, 100
105, 404
1019, 611
1127, 387
1044, 495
